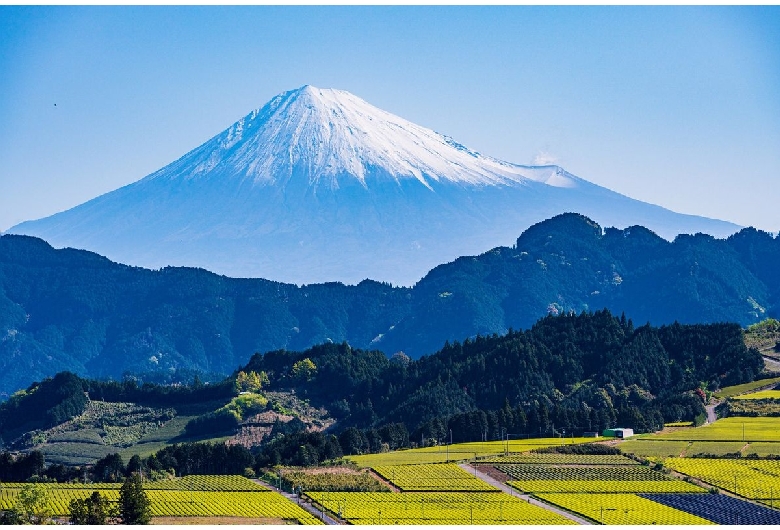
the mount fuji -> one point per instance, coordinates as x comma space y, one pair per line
318, 185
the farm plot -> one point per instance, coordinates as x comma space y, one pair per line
754, 479
206, 483
622, 509
736, 390
654, 449
623, 473
560, 459
432, 477
761, 429
266, 504
720, 509
714, 448
168, 501
763, 448
604, 486
435, 509
616, 479
460, 451
763, 394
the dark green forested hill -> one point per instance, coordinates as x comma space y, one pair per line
576, 372
73, 310
586, 370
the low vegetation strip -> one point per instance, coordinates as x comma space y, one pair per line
206, 483
753, 479
605, 486
483, 451
432, 477
559, 459
436, 509
720, 509
624, 473
622, 509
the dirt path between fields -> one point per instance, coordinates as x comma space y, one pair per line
507, 489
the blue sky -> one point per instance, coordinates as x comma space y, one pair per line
677, 106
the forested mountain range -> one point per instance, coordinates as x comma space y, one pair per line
74, 310
572, 373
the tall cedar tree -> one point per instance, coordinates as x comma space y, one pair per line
134, 505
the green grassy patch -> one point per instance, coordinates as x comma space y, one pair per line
731, 391
74, 453
654, 449
714, 448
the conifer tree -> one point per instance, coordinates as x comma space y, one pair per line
134, 505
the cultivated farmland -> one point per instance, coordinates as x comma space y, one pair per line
435, 508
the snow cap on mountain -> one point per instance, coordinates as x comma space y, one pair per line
331, 138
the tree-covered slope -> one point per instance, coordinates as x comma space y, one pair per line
576, 372
596, 366
74, 310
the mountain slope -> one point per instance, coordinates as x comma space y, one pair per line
318, 185
74, 310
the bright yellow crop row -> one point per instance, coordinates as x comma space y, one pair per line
622, 509
605, 486
435, 508
433, 477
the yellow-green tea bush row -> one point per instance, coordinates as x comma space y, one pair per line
432, 477
605, 486
560, 459
435, 509
532, 472
207, 483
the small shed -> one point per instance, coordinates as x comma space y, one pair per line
618, 432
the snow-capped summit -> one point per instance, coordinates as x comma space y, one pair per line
333, 138
319, 185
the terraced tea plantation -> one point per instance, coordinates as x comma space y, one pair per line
435, 509
192, 496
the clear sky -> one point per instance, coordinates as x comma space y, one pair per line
677, 106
